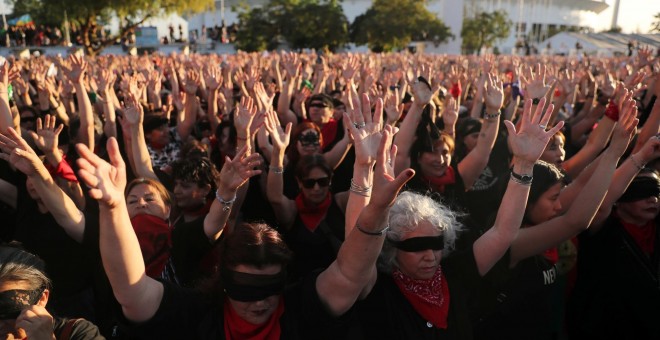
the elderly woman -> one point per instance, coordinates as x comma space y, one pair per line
420, 288
24, 292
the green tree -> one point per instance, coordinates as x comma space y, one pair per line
484, 30
393, 24
90, 15
655, 26
316, 24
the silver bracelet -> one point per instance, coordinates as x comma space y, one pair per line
226, 205
372, 233
360, 190
635, 163
276, 169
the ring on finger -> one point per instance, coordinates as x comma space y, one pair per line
359, 125
542, 126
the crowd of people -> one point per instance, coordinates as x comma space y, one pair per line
341, 196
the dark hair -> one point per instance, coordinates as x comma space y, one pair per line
428, 138
545, 176
292, 152
17, 264
29, 109
217, 156
194, 148
322, 97
254, 244
158, 186
467, 127
198, 170
309, 162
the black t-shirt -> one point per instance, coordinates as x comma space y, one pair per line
617, 292
188, 314
453, 196
81, 329
190, 247
387, 314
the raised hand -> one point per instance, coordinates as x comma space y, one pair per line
365, 129
213, 77
531, 139
106, 181
133, 112
18, 153
263, 97
494, 94
450, 114
536, 85
191, 82
625, 127
393, 107
47, 133
36, 322
235, 172
245, 113
78, 67
106, 80
386, 187
279, 137
422, 92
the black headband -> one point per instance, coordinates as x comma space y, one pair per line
252, 287
12, 302
414, 244
641, 188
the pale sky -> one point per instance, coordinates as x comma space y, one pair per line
634, 15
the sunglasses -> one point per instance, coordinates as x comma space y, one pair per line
310, 182
319, 105
28, 119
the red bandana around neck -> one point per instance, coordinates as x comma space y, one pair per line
312, 216
155, 242
329, 132
238, 329
644, 235
430, 298
438, 183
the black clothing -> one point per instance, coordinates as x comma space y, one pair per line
387, 314
617, 292
453, 197
190, 246
80, 330
187, 314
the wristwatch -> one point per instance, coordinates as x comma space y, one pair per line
522, 179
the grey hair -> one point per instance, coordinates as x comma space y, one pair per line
408, 211
19, 265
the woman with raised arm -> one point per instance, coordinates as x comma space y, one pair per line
422, 289
515, 301
312, 223
429, 151
250, 298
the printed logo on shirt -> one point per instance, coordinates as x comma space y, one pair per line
485, 181
550, 276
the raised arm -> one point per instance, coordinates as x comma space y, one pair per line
16, 150
234, 174
86, 113
353, 273
536, 239
134, 116
527, 145
284, 208
6, 119
476, 161
138, 294
422, 95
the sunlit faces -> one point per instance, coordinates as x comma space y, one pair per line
309, 142
321, 186
434, 164
189, 194
257, 312
144, 199
554, 152
7, 326
319, 112
546, 207
420, 265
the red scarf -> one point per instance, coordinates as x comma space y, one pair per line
236, 328
63, 170
312, 216
430, 298
438, 183
155, 242
644, 235
329, 132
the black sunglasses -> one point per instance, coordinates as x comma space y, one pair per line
310, 182
319, 105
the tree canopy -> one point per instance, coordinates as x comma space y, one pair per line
484, 30
87, 14
655, 26
318, 24
393, 24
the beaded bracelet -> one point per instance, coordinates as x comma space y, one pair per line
494, 115
372, 233
226, 205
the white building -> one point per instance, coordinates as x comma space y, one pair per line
534, 20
